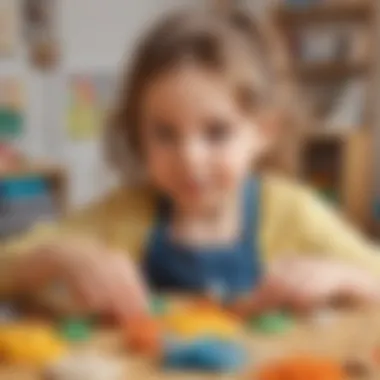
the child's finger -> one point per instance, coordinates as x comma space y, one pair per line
270, 295
126, 292
89, 282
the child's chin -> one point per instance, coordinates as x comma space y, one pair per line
200, 200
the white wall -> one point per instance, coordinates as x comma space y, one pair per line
97, 36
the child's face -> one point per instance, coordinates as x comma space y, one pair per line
198, 144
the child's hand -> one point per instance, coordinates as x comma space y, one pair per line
310, 282
103, 281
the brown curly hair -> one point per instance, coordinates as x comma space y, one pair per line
231, 42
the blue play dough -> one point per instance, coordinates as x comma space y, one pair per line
204, 355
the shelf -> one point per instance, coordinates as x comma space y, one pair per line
293, 17
55, 175
329, 70
33, 170
330, 135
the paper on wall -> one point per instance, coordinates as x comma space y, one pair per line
89, 97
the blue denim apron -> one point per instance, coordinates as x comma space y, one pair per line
170, 266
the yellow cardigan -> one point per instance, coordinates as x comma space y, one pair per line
292, 220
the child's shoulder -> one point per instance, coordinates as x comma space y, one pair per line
131, 197
283, 195
283, 187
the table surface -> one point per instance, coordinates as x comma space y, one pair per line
348, 334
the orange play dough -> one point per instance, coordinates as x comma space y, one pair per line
201, 320
143, 335
310, 368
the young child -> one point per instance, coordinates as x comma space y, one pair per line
200, 111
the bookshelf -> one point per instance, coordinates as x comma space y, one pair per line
349, 150
31, 192
333, 11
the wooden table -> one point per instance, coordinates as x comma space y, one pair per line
347, 334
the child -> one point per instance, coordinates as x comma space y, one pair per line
199, 111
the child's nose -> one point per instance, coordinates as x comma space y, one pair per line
193, 154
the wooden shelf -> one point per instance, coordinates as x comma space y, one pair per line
55, 175
328, 135
355, 145
33, 170
329, 70
293, 17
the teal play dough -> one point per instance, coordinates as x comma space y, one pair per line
272, 323
206, 354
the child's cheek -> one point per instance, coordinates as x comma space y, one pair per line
159, 168
234, 167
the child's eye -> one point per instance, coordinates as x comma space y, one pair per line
218, 131
165, 133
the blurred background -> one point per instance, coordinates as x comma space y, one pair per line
59, 67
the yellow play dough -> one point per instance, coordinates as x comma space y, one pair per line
30, 345
197, 322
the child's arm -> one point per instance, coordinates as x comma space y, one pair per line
86, 222
324, 231
80, 249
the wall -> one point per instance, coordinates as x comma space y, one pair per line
97, 36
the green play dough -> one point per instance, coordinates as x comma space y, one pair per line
76, 329
158, 305
273, 323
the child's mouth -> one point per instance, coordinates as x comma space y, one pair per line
193, 187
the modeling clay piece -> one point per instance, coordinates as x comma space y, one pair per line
144, 335
197, 322
273, 323
204, 355
302, 368
31, 345
76, 329
85, 366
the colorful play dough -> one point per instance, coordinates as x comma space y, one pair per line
198, 322
76, 329
144, 335
30, 345
273, 323
298, 368
204, 355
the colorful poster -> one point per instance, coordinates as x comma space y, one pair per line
89, 99
8, 27
11, 108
